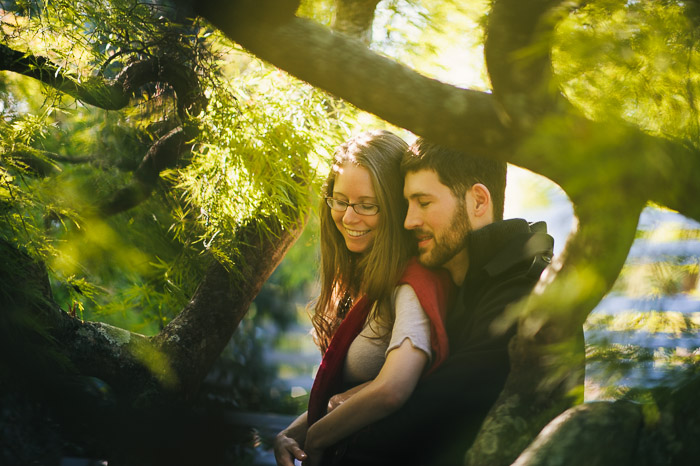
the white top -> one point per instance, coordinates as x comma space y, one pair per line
368, 352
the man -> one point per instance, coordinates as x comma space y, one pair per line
455, 209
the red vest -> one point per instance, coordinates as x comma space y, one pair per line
433, 288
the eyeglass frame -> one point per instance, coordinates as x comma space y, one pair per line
331, 200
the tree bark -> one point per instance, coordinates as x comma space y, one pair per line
196, 337
574, 438
354, 18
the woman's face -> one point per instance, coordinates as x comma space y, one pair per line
353, 184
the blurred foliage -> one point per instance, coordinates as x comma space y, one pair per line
635, 61
648, 345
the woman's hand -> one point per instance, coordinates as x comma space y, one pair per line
286, 450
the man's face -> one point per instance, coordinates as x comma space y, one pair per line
438, 219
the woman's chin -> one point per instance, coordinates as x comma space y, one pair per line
358, 246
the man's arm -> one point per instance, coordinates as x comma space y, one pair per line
449, 405
380, 397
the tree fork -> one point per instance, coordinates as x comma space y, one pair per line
198, 334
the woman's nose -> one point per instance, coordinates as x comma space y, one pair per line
350, 216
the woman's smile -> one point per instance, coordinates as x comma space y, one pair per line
353, 185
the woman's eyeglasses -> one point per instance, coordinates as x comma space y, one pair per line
361, 208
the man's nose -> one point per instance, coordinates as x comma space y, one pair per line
412, 220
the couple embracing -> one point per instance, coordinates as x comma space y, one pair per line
417, 264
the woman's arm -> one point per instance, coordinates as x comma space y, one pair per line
380, 397
287, 443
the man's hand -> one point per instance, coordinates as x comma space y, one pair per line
314, 454
340, 398
314, 458
337, 400
286, 450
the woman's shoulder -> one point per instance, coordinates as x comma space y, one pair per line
415, 274
404, 291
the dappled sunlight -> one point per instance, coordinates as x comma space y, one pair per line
158, 364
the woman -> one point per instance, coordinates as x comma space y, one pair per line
378, 318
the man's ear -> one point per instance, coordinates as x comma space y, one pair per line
480, 204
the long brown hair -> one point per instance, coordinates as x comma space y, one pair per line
346, 276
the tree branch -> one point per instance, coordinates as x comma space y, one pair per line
164, 153
578, 430
547, 355
109, 94
40, 161
346, 68
354, 18
678, 167
517, 50
196, 337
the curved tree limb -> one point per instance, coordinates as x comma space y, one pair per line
519, 63
574, 439
346, 68
108, 94
115, 94
164, 153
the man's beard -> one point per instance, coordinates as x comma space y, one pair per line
451, 241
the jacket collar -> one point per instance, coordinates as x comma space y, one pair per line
498, 246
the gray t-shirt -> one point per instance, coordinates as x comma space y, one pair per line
367, 353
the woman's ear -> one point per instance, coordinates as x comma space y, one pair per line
480, 205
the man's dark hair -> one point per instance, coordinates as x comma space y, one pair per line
458, 171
